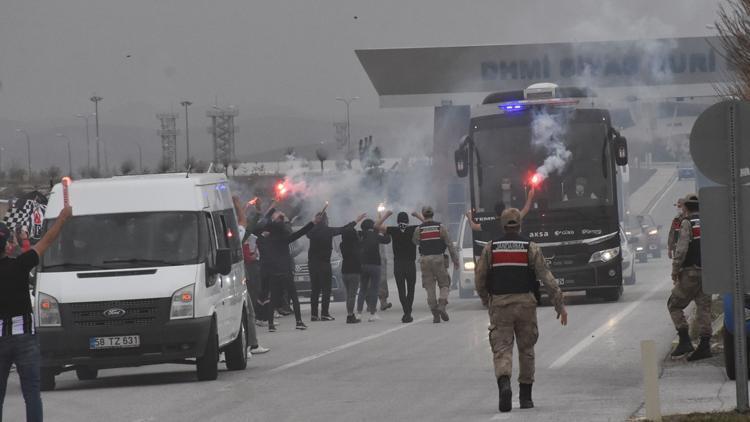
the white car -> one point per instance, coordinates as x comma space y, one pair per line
465, 274
148, 270
628, 259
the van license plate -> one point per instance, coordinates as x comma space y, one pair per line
114, 342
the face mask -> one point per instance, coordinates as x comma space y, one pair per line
402, 226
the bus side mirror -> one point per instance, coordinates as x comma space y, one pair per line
621, 151
461, 157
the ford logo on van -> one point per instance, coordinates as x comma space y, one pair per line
114, 313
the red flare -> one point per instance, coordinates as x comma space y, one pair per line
536, 179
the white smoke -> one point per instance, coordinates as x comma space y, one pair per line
548, 133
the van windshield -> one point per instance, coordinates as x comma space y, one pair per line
128, 240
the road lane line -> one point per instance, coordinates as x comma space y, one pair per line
661, 197
345, 346
611, 323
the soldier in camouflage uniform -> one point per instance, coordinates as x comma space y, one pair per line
688, 285
674, 228
433, 240
506, 277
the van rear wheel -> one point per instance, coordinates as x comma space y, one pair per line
207, 366
86, 374
236, 352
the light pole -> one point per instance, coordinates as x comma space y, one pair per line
140, 156
348, 101
88, 141
70, 156
186, 104
28, 148
95, 99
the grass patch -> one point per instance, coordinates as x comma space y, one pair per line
708, 417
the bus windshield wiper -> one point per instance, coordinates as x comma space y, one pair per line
145, 261
73, 265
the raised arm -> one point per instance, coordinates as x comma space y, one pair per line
527, 205
239, 209
44, 243
473, 224
379, 224
418, 216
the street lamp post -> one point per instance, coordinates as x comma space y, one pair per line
95, 99
70, 156
140, 156
186, 104
348, 101
88, 142
28, 148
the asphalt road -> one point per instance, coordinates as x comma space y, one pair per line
386, 370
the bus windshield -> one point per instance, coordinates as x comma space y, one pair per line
127, 240
509, 159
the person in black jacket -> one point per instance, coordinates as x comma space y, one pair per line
370, 278
276, 260
319, 264
404, 258
351, 269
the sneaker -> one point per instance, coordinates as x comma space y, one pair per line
373, 318
277, 315
352, 319
386, 306
259, 323
327, 318
259, 350
314, 318
301, 325
407, 319
284, 312
271, 328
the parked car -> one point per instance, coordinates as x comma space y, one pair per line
628, 259
645, 236
302, 271
465, 274
685, 170
729, 363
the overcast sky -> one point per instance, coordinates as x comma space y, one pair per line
271, 57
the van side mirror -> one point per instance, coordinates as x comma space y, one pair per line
621, 150
223, 261
461, 157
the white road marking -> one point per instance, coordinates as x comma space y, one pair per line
345, 346
591, 338
669, 188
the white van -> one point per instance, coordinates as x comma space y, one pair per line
148, 270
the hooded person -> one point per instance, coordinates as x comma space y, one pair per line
404, 259
370, 277
319, 264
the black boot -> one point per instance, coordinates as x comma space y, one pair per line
505, 394
685, 346
524, 396
441, 309
703, 351
435, 316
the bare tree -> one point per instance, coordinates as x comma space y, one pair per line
734, 30
322, 155
127, 167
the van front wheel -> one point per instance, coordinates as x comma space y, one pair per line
236, 352
207, 366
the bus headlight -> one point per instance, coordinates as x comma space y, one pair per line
469, 266
605, 255
49, 311
653, 232
183, 303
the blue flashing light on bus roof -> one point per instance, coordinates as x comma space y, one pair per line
512, 107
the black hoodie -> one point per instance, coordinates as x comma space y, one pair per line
276, 257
